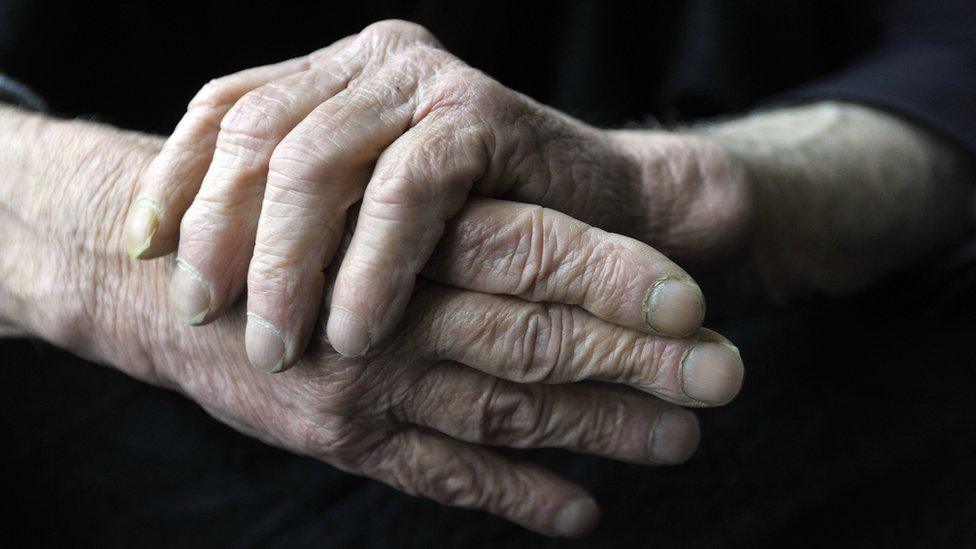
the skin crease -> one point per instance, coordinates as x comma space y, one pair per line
835, 237
437, 132
67, 281
734, 196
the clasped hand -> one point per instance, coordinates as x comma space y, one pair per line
515, 301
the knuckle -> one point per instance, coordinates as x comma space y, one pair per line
512, 414
399, 191
404, 77
470, 90
271, 272
649, 360
252, 123
330, 436
602, 429
391, 33
216, 209
295, 162
546, 348
328, 420
420, 397
534, 260
487, 99
458, 482
602, 273
482, 91
455, 484
421, 58
202, 221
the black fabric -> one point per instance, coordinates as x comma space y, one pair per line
16, 93
855, 424
136, 64
922, 66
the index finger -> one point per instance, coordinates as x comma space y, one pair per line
538, 254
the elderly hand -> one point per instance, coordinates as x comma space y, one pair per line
466, 369
266, 163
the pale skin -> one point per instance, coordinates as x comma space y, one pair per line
465, 369
806, 199
256, 182
255, 185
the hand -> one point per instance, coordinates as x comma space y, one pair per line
466, 369
266, 163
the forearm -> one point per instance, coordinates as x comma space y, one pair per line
15, 128
63, 197
843, 195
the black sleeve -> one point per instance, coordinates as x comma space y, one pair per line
13, 91
16, 93
922, 68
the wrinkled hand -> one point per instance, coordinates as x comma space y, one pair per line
467, 368
256, 182
411, 413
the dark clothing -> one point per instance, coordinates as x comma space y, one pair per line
854, 424
136, 64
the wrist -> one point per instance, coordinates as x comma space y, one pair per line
17, 316
65, 189
697, 194
834, 185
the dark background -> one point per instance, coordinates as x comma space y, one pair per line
855, 424
137, 64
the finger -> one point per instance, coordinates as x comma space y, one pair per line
174, 176
217, 233
458, 474
317, 172
552, 343
593, 419
539, 254
218, 230
418, 183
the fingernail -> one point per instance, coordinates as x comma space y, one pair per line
712, 372
264, 343
576, 518
675, 437
347, 333
142, 226
674, 307
190, 295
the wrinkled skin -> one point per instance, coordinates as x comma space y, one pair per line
464, 367
405, 413
464, 370
255, 185
827, 190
